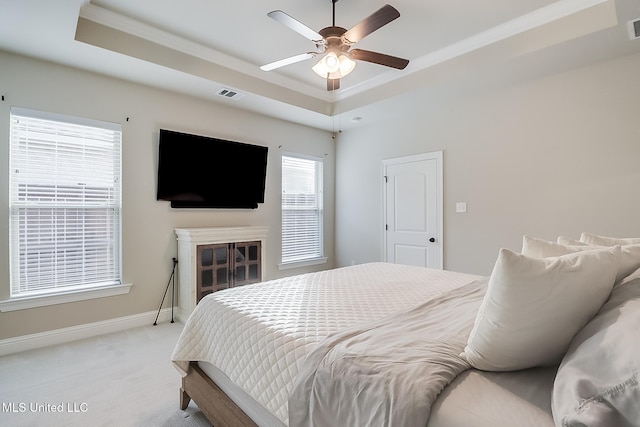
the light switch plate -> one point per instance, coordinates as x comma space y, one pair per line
461, 207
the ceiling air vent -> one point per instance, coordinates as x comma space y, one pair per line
634, 29
229, 93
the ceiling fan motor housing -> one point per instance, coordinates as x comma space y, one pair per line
333, 40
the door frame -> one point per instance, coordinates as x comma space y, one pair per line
437, 155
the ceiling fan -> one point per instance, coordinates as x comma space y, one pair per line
335, 43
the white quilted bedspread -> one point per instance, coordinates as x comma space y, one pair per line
259, 335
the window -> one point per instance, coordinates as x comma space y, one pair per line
65, 204
301, 210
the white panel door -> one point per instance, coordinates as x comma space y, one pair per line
413, 210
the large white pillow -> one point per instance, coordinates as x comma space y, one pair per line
628, 261
592, 239
598, 381
534, 307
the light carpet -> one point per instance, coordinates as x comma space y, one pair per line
120, 379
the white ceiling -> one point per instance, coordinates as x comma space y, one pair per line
200, 47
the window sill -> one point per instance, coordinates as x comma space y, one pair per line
23, 303
304, 263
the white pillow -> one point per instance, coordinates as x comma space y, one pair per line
538, 248
592, 239
628, 261
563, 240
598, 381
534, 307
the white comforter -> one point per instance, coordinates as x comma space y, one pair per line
260, 335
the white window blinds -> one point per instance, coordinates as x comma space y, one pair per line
65, 203
301, 208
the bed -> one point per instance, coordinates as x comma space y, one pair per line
387, 344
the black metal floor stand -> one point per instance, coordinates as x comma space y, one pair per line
172, 281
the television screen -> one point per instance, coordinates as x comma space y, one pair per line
202, 172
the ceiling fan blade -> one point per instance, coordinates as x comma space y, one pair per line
379, 58
380, 18
295, 25
333, 84
287, 61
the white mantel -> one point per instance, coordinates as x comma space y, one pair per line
188, 241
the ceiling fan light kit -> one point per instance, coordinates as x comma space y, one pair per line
333, 66
334, 43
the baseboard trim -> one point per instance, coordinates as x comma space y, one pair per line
73, 333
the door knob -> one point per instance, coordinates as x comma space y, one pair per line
432, 240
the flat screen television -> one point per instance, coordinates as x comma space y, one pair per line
202, 172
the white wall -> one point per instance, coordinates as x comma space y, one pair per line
148, 239
557, 155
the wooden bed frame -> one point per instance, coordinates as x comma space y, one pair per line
219, 409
